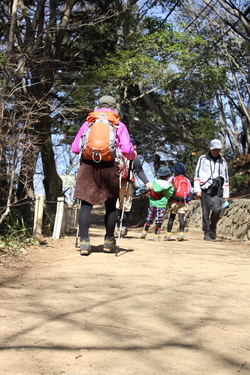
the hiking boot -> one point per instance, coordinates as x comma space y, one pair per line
168, 236
156, 237
144, 234
109, 244
207, 237
180, 236
124, 231
85, 247
213, 235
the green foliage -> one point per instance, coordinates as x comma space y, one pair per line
238, 181
174, 66
48, 219
205, 128
2, 59
169, 62
188, 155
16, 239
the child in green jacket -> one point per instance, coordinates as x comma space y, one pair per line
158, 200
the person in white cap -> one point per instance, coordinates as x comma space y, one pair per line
211, 183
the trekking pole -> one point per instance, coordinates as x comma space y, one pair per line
77, 235
77, 230
123, 207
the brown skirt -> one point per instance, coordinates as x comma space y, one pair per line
96, 182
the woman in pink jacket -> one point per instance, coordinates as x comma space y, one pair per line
99, 182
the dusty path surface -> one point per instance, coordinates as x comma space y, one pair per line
175, 308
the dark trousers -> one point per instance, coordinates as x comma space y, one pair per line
211, 208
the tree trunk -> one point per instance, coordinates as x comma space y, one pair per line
25, 187
52, 182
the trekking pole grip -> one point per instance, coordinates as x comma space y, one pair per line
129, 169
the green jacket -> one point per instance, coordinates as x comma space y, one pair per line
164, 187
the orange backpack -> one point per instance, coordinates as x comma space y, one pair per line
99, 139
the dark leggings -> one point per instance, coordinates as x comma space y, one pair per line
171, 222
125, 217
84, 218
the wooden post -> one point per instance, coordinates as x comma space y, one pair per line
67, 212
38, 218
68, 218
64, 219
59, 218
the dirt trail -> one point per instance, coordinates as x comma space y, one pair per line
175, 308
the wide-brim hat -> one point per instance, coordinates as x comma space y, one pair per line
179, 168
163, 171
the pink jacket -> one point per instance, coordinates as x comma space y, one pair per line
122, 139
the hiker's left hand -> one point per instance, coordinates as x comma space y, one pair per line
149, 185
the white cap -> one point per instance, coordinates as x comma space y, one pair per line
215, 143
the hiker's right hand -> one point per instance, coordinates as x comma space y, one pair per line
198, 193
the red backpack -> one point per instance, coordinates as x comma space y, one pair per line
182, 188
154, 195
99, 139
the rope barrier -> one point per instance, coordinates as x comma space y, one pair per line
15, 205
20, 204
34, 200
242, 196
